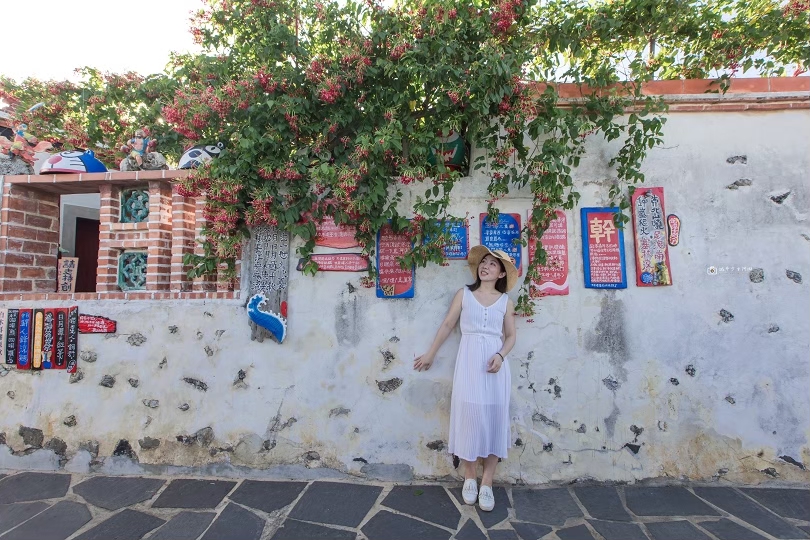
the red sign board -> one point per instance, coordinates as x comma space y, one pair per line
330, 234
554, 275
392, 280
338, 262
93, 324
602, 249
650, 228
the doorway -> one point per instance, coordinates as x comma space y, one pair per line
86, 249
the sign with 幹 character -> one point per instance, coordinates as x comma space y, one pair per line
602, 249
650, 228
503, 235
554, 275
392, 280
66, 274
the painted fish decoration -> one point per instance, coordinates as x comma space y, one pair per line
274, 323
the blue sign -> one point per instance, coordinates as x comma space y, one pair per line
459, 245
24, 337
504, 235
603, 249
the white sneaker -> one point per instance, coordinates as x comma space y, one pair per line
470, 491
486, 499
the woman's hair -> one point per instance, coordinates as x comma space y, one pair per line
500, 285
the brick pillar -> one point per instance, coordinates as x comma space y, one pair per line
29, 240
159, 252
183, 225
209, 282
109, 215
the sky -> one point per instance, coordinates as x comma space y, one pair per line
51, 38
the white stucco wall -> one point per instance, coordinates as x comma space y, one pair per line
318, 392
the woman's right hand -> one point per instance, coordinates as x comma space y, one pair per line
423, 363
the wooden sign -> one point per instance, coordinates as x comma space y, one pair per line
502, 235
330, 234
392, 280
72, 348
36, 339
338, 262
674, 229
554, 275
3, 331
60, 338
269, 278
24, 339
650, 235
94, 324
66, 274
12, 332
602, 249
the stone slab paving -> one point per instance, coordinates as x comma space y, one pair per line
77, 507
497, 515
184, 526
114, 492
186, 493
124, 525
530, 531
737, 504
602, 502
12, 515
675, 530
56, 523
336, 503
430, 503
33, 486
548, 506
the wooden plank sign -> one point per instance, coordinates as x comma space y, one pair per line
330, 234
94, 324
554, 275
338, 262
24, 339
502, 235
602, 249
36, 339
392, 280
650, 235
60, 338
66, 274
72, 348
12, 331
3, 331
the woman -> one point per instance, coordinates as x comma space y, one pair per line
479, 409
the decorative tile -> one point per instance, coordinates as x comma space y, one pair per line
134, 205
267, 496
737, 504
665, 501
114, 492
186, 493
235, 522
132, 270
550, 506
386, 525
336, 503
33, 486
430, 503
125, 525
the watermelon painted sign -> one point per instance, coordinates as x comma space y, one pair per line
338, 262
94, 324
650, 235
502, 235
330, 234
602, 249
554, 275
392, 280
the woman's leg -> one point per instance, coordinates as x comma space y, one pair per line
470, 469
489, 470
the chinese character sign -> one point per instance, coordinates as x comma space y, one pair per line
459, 245
554, 275
330, 234
393, 281
338, 262
503, 235
66, 274
24, 339
3, 333
649, 225
602, 249
12, 331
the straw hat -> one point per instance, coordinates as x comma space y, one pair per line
479, 252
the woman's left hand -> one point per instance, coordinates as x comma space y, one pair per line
494, 364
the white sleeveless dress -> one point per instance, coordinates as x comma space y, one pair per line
479, 408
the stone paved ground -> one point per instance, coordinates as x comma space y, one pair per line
55, 506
